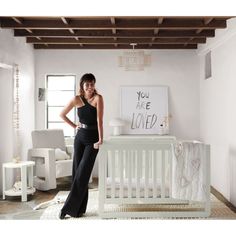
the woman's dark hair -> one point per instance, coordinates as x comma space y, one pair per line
86, 78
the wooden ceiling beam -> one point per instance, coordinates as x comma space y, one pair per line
17, 20
29, 31
125, 24
113, 22
72, 31
78, 46
115, 32
156, 31
207, 20
65, 21
198, 31
119, 41
119, 34
160, 20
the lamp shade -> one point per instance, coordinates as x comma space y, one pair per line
116, 123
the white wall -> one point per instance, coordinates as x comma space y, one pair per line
16, 51
218, 110
178, 69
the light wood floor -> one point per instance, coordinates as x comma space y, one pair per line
13, 205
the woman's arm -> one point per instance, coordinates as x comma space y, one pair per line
100, 110
66, 110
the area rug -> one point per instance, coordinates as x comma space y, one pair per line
219, 210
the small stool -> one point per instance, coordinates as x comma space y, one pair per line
26, 170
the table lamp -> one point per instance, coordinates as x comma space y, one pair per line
116, 123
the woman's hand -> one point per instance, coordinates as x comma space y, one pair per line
78, 126
97, 145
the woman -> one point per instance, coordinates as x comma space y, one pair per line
89, 137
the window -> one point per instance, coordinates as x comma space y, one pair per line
60, 90
208, 65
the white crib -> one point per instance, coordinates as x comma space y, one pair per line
136, 176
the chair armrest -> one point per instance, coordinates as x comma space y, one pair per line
48, 154
70, 149
42, 153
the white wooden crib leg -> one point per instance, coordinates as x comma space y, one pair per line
102, 182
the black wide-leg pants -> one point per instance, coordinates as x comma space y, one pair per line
83, 162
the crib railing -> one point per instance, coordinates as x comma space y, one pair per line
137, 172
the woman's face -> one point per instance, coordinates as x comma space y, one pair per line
89, 87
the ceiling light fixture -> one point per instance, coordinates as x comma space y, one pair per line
134, 60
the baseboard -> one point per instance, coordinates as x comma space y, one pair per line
221, 198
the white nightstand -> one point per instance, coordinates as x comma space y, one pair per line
26, 170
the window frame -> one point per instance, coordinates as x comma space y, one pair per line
47, 106
208, 66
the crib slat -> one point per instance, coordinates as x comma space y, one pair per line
129, 173
133, 164
113, 160
121, 158
163, 173
126, 164
146, 156
139, 174
154, 175
105, 171
170, 173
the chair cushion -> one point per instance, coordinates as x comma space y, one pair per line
61, 155
63, 168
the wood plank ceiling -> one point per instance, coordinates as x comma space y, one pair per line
114, 32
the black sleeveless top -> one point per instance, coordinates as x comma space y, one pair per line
87, 113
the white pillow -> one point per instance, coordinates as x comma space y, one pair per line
61, 155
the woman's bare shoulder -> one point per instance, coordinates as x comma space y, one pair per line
98, 96
77, 100
99, 99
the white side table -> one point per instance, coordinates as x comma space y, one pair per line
26, 170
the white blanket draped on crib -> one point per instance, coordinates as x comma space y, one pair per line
189, 171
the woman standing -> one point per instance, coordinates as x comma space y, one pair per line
89, 137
